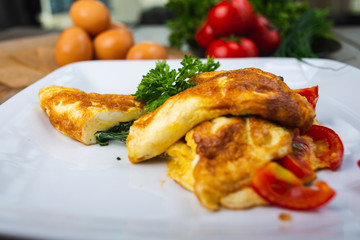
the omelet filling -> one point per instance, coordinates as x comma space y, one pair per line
217, 159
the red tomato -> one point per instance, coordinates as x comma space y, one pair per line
311, 94
267, 39
246, 13
217, 49
205, 36
225, 49
223, 18
250, 47
282, 188
298, 161
329, 147
227, 18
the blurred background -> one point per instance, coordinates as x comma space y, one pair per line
29, 30
53, 14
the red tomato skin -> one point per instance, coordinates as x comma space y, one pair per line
236, 49
266, 39
250, 47
205, 36
225, 49
334, 156
223, 18
246, 13
298, 161
311, 94
217, 49
282, 188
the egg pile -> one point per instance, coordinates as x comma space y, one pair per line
95, 36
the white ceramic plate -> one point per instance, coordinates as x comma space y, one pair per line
54, 187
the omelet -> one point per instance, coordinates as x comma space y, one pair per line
241, 92
80, 115
217, 159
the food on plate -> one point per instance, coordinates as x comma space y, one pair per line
112, 44
81, 115
92, 16
281, 187
162, 82
240, 92
237, 139
73, 45
240, 139
225, 152
147, 50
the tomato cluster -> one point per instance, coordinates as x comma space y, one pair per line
232, 29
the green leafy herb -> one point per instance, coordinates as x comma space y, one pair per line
158, 85
188, 15
118, 132
298, 42
299, 26
118, 158
281, 13
161, 82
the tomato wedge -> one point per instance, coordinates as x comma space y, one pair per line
311, 94
298, 161
329, 147
282, 188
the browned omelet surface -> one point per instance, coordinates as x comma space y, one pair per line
240, 92
219, 157
80, 115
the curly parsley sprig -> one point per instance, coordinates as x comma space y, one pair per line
161, 82
157, 85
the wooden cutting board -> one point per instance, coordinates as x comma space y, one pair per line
26, 60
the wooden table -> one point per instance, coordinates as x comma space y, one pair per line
26, 60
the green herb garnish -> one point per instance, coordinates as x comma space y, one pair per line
118, 132
300, 26
298, 42
282, 14
188, 15
158, 85
161, 82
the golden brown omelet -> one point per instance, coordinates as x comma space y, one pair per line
240, 92
218, 158
80, 115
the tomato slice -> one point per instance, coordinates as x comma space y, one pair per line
282, 188
298, 161
311, 94
329, 147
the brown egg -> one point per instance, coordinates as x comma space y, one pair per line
73, 45
93, 16
112, 44
147, 50
120, 27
